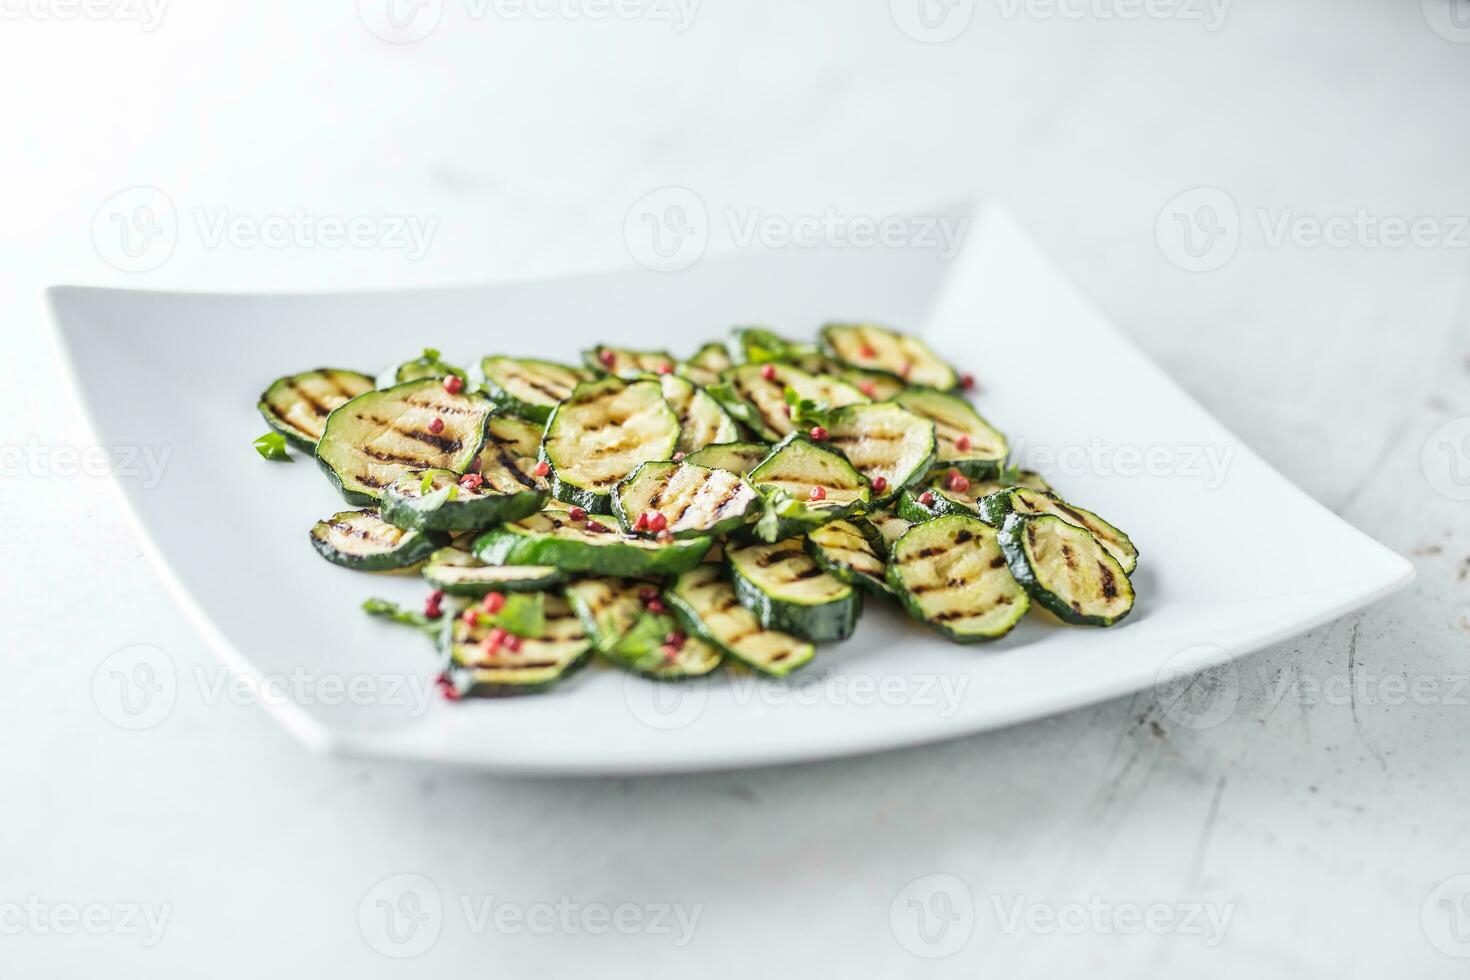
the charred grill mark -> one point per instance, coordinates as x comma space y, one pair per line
1070, 558
318, 408
963, 535
444, 443
998, 561
1109, 583
386, 457
368, 480
442, 408
555, 394
728, 496
658, 494
509, 465
810, 571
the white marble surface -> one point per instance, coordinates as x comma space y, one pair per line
1321, 815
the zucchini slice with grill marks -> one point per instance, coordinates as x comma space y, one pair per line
508, 459
787, 477
705, 367
890, 528
705, 602
760, 401
553, 538
1066, 570
848, 551
380, 435
474, 671
297, 405
946, 497
693, 499
362, 540
458, 572
873, 348
967, 442
434, 500
625, 633
620, 362
525, 386
884, 441
702, 420
950, 573
601, 433
737, 457
788, 591
995, 508
427, 365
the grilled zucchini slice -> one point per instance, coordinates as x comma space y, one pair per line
873, 348
620, 362
705, 367
957, 425
757, 345
849, 551
788, 591
458, 572
525, 386
884, 440
601, 433
890, 528
694, 500
427, 365
995, 508
737, 457
944, 498
950, 574
786, 479
1066, 570
702, 421
541, 661
378, 436
361, 539
625, 633
553, 538
706, 604
433, 500
508, 460
760, 402
297, 405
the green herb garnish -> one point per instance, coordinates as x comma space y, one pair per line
396, 613
804, 411
272, 446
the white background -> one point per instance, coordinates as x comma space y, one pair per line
1322, 819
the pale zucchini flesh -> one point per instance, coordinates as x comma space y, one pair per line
702, 420
884, 440
788, 591
705, 602
760, 402
527, 387
693, 499
435, 500
786, 479
361, 539
457, 572
956, 423
507, 462
474, 671
625, 633
622, 362
297, 405
951, 574
601, 434
737, 457
996, 507
1066, 569
848, 550
706, 366
872, 348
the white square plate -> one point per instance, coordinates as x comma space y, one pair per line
1233, 556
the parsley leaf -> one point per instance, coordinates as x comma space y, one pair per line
396, 613
272, 446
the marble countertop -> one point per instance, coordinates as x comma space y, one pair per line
1269, 198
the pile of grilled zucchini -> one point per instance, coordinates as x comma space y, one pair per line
667, 515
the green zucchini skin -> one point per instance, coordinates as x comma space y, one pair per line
541, 662
944, 571
705, 602
362, 540
850, 434
1019, 540
457, 572
625, 363
470, 510
553, 538
626, 635
339, 451
705, 367
526, 387
769, 581
424, 367
566, 455
308, 398
946, 501
868, 347
677, 487
852, 552
737, 457
995, 508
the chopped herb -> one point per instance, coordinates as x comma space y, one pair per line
272, 446
396, 613
804, 411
